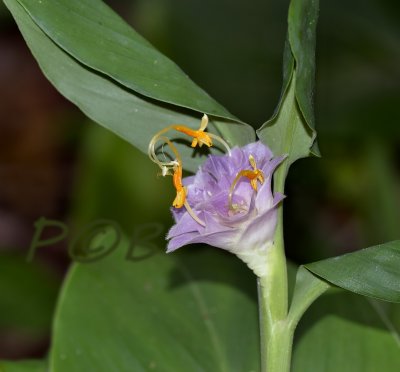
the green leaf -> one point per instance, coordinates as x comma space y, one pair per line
372, 272
344, 332
23, 366
291, 130
97, 37
190, 311
307, 289
302, 25
341, 331
287, 133
125, 112
110, 160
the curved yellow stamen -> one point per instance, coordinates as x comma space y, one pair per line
174, 167
164, 165
253, 175
181, 192
199, 136
180, 189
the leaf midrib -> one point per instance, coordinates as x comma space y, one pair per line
385, 320
210, 326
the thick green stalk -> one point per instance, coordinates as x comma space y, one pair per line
276, 334
279, 348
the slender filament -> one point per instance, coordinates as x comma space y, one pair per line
174, 167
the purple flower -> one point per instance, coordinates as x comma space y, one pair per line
247, 227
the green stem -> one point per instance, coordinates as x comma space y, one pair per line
275, 331
279, 349
279, 352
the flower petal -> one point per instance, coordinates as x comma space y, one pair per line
249, 231
259, 231
186, 224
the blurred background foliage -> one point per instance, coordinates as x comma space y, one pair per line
54, 163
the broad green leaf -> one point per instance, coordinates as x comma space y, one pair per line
97, 37
23, 366
291, 130
146, 198
128, 114
343, 332
372, 272
302, 25
287, 133
340, 330
307, 289
190, 311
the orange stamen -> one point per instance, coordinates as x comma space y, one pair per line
253, 176
180, 189
174, 167
199, 136
180, 199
